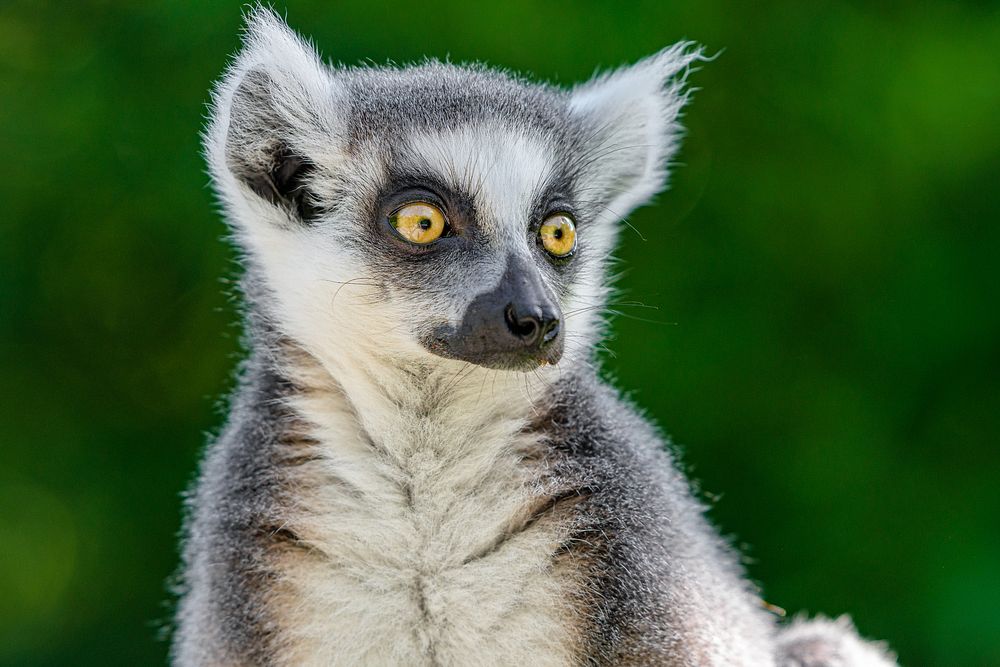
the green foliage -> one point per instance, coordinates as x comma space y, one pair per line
825, 347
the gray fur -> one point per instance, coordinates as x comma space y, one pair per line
302, 151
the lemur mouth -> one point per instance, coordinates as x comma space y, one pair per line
485, 350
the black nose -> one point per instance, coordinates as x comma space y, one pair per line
534, 327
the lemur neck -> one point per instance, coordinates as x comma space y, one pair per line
443, 409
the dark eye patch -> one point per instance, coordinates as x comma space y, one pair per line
405, 187
555, 197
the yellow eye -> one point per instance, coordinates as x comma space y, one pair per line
418, 222
558, 234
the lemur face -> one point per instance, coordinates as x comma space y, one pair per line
435, 212
472, 229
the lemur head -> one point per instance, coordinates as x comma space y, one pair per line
434, 212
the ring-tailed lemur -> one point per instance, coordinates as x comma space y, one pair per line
421, 465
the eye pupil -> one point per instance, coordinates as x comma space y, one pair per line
558, 233
425, 224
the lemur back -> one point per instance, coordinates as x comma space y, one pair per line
421, 465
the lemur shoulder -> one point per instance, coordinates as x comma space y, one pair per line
421, 465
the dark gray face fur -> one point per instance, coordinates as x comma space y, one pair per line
514, 325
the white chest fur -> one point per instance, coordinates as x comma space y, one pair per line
432, 543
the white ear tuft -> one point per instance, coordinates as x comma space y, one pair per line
270, 46
276, 107
630, 117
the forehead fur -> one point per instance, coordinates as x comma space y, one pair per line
504, 170
440, 96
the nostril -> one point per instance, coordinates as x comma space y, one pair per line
550, 330
525, 327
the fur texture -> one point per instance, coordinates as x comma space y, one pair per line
369, 502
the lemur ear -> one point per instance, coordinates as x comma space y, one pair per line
630, 127
275, 111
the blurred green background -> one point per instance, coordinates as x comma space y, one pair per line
825, 266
